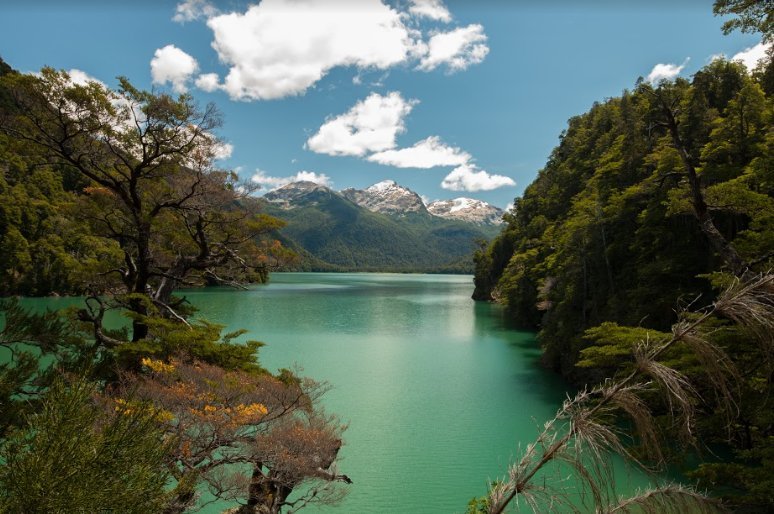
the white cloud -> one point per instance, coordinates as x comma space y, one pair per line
369, 130
268, 182
223, 151
457, 49
433, 9
428, 153
665, 72
751, 56
311, 176
371, 125
509, 207
208, 82
191, 10
467, 178
81, 78
280, 48
172, 65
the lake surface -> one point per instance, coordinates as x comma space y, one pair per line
438, 390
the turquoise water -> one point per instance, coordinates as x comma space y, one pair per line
437, 390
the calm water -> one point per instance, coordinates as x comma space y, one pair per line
437, 390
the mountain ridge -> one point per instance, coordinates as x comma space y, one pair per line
336, 233
389, 197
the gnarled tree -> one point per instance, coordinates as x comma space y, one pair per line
154, 188
251, 438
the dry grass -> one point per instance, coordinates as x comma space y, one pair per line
667, 499
583, 433
680, 395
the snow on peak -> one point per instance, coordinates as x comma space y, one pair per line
466, 209
386, 197
461, 204
383, 186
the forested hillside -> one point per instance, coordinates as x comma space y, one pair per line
646, 199
331, 233
41, 249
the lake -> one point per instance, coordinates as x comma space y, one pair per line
437, 389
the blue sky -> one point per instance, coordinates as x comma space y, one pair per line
454, 98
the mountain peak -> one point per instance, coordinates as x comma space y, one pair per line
302, 191
386, 197
302, 185
384, 185
467, 209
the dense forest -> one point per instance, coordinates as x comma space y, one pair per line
647, 208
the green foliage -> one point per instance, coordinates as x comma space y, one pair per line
748, 481
607, 238
76, 455
43, 248
478, 505
751, 16
611, 344
198, 340
34, 350
606, 232
114, 193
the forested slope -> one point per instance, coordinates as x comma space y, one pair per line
332, 233
42, 248
617, 230
606, 231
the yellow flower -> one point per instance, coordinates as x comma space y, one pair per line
164, 416
157, 366
254, 409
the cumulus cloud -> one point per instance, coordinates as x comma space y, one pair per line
280, 47
428, 153
665, 72
468, 178
433, 9
81, 78
751, 56
457, 49
370, 126
174, 66
369, 130
268, 182
191, 10
208, 82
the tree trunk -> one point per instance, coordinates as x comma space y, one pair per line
719, 243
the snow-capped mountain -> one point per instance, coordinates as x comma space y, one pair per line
296, 193
467, 209
386, 197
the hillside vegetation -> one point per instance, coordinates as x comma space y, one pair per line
647, 197
331, 233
